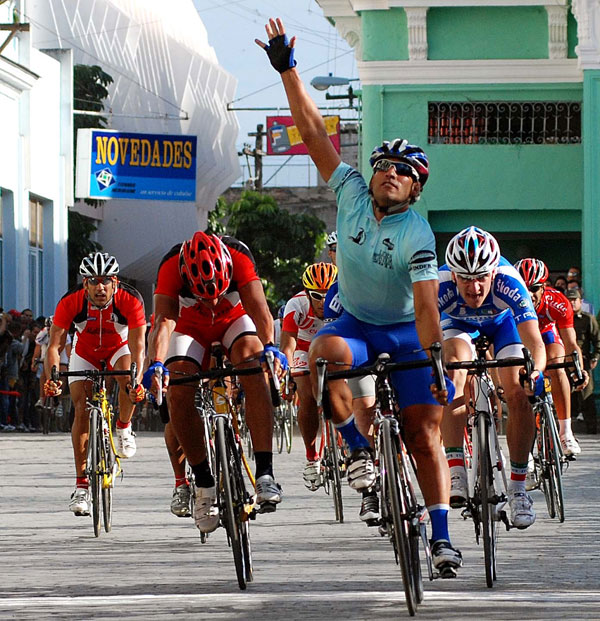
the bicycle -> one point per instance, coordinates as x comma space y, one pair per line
549, 461
103, 465
283, 419
487, 484
402, 517
221, 430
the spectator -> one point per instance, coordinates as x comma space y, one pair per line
12, 363
28, 417
586, 306
560, 283
574, 273
588, 339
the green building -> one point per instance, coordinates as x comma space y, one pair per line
504, 96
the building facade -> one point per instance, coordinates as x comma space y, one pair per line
503, 95
36, 174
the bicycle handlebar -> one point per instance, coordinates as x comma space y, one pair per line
273, 379
158, 372
215, 374
95, 373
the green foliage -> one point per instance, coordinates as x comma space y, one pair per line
215, 217
79, 244
282, 243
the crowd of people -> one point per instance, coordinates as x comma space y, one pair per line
382, 292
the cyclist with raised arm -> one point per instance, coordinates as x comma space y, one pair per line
388, 287
302, 319
481, 293
208, 291
555, 318
110, 325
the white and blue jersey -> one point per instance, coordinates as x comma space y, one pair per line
507, 305
378, 261
508, 294
332, 308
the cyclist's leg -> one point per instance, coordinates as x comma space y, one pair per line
126, 446
180, 503
342, 341
561, 394
308, 422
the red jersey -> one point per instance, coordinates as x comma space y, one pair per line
554, 310
100, 331
194, 314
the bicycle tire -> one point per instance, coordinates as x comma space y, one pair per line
45, 420
486, 485
288, 426
335, 475
108, 460
278, 430
95, 476
555, 467
398, 526
228, 502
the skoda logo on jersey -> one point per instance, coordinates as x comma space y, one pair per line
105, 178
522, 303
360, 237
513, 294
387, 242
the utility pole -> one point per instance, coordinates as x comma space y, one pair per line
257, 153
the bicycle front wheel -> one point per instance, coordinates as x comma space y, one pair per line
398, 526
94, 460
231, 505
486, 488
333, 469
288, 425
108, 471
554, 464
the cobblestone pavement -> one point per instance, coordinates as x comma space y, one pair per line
152, 564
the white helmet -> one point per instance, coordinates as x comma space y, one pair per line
473, 252
332, 239
98, 264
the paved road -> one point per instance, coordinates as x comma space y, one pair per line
152, 565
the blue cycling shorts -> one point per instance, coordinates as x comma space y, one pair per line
366, 341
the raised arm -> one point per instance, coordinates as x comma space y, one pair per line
305, 113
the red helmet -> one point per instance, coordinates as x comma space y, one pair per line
205, 265
532, 271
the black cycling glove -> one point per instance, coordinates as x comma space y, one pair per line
280, 54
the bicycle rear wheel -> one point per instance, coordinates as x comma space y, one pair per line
231, 505
553, 458
94, 460
332, 459
486, 486
398, 527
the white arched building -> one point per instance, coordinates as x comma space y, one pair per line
167, 80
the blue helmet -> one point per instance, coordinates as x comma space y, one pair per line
417, 164
281, 311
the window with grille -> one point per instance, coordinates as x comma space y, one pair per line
505, 122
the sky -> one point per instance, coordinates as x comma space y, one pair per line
232, 26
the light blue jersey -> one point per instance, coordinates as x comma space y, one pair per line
508, 294
378, 261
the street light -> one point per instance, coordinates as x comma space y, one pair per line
323, 82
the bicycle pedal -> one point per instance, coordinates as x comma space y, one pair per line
82, 513
466, 513
447, 571
375, 522
267, 507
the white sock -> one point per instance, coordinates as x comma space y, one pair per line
565, 428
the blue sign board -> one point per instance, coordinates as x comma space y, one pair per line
136, 166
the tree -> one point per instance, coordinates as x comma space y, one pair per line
89, 91
282, 243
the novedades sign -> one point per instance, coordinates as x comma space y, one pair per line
135, 166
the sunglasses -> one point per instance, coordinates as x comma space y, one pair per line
100, 280
316, 296
535, 288
401, 168
333, 248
